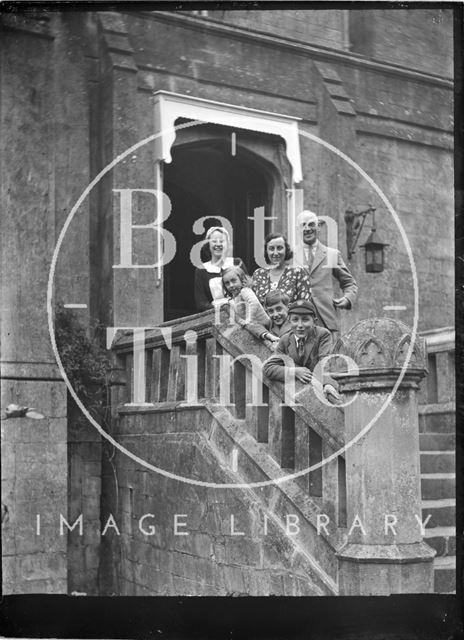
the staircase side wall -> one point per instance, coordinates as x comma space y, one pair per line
219, 545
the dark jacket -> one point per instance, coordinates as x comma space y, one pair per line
315, 349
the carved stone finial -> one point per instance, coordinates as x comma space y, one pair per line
382, 343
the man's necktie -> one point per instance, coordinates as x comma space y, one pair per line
310, 258
301, 350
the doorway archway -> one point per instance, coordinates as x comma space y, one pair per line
206, 179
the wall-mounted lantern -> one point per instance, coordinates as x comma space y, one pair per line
373, 247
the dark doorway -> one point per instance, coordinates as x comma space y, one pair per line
205, 179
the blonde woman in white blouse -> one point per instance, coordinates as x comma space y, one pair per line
208, 279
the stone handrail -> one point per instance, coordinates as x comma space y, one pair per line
440, 391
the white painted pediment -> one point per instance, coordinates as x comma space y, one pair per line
171, 106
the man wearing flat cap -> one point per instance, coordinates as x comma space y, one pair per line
305, 345
324, 264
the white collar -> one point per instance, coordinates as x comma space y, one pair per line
213, 268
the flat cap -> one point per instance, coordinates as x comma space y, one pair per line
302, 307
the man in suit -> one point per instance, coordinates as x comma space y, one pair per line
302, 348
324, 264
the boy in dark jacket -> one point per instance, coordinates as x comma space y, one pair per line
305, 344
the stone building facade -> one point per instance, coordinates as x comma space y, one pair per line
80, 88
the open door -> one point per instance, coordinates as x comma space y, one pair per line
206, 179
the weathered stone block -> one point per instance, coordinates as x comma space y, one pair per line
445, 578
243, 551
435, 488
9, 569
185, 587
442, 514
277, 552
234, 580
92, 486
277, 584
92, 536
27, 431
29, 489
8, 461
43, 566
26, 541
91, 557
438, 463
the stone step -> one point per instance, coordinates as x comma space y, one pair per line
437, 441
443, 512
437, 418
438, 485
442, 539
445, 574
437, 461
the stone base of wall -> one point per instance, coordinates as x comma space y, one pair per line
180, 538
85, 468
34, 484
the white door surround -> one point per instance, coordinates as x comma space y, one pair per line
171, 106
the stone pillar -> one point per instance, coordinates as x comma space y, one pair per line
128, 296
382, 465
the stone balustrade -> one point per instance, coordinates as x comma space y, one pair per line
373, 484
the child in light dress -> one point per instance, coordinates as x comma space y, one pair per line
243, 301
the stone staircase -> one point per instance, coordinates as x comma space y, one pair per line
437, 459
437, 437
256, 437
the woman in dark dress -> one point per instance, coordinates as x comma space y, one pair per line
294, 281
208, 280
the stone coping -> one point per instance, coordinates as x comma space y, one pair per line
199, 322
160, 407
387, 553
